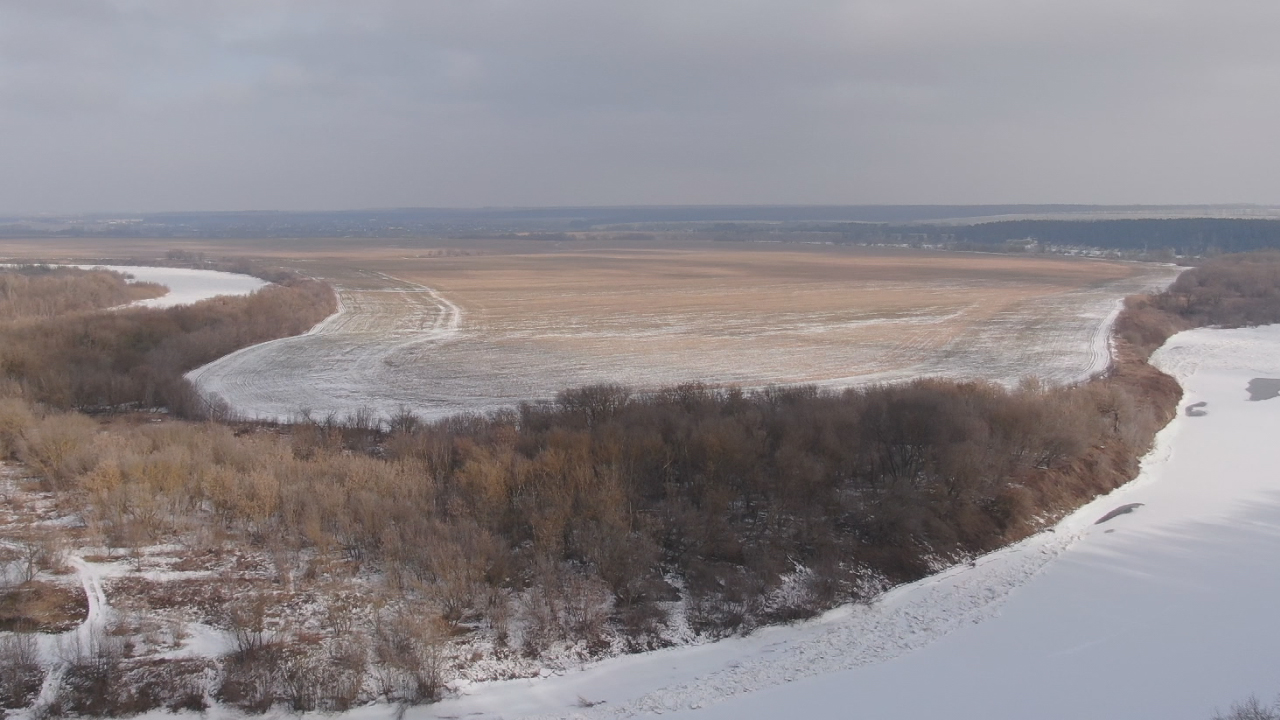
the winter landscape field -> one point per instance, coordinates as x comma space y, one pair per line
1109, 598
441, 333
871, 359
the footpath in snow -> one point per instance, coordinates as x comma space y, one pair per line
1166, 611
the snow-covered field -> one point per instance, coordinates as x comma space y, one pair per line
1166, 611
404, 344
185, 285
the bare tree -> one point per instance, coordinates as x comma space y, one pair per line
1251, 709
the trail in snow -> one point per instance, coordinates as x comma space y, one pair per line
357, 358
56, 650
99, 611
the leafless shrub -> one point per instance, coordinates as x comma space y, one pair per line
60, 449
410, 652
92, 683
16, 419
403, 421
20, 672
247, 619
258, 673
252, 682
348, 662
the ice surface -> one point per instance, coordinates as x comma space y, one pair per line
185, 285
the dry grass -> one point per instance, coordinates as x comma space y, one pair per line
712, 309
39, 606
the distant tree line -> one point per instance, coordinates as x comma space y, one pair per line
1184, 236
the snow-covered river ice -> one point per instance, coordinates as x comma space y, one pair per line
185, 285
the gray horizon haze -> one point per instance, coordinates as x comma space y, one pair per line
149, 106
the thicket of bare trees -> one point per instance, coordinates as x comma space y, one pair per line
1227, 291
42, 291
583, 519
137, 357
20, 671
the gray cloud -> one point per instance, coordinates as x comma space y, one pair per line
313, 104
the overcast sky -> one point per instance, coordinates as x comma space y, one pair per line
151, 105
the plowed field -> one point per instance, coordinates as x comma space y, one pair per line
440, 333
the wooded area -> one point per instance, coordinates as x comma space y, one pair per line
135, 357
1192, 237
43, 291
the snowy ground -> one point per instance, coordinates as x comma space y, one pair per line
404, 344
186, 286
1167, 611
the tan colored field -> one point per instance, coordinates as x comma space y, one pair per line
488, 324
751, 315
442, 326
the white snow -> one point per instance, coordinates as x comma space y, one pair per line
1164, 612
99, 614
185, 285
201, 641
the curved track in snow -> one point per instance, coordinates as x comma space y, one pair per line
346, 363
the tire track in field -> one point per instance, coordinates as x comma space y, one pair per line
339, 366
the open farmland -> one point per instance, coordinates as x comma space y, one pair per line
441, 332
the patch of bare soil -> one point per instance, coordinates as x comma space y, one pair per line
39, 606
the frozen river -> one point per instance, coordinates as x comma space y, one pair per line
185, 285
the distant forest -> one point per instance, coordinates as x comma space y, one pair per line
1188, 236
950, 226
